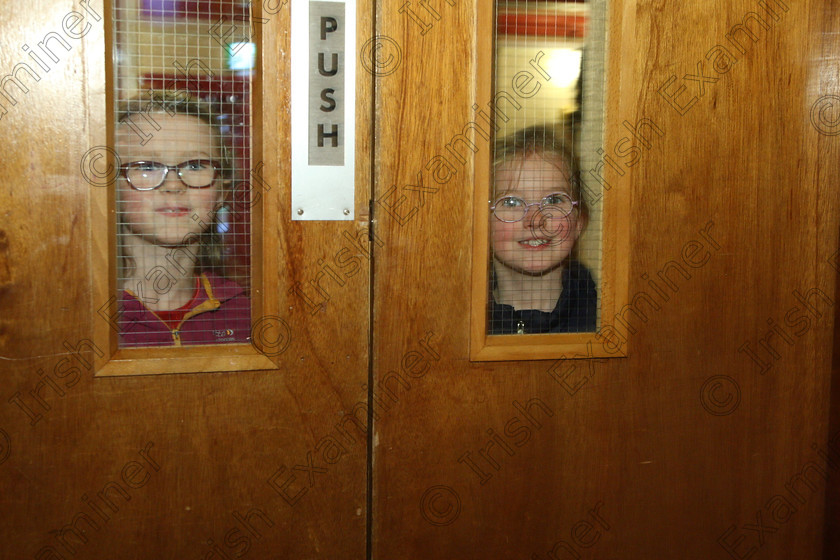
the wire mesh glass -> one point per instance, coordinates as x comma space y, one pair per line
545, 265
182, 74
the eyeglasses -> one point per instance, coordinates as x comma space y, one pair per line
149, 175
512, 208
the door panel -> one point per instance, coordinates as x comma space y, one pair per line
684, 446
194, 465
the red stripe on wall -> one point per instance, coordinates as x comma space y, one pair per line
541, 25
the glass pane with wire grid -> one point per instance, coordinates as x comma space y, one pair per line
182, 87
545, 216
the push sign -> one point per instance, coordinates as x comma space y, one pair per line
323, 134
326, 83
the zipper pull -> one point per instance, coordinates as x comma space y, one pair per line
520, 327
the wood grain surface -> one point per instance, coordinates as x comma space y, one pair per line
687, 448
242, 464
681, 449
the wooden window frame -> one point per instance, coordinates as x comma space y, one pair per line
615, 234
265, 287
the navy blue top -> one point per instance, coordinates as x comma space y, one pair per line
576, 309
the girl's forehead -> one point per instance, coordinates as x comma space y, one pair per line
165, 135
532, 173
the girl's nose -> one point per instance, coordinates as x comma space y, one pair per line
547, 223
171, 182
532, 215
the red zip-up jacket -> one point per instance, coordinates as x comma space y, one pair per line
222, 314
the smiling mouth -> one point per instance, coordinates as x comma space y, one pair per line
534, 242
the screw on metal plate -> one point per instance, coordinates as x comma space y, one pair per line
300, 211
346, 211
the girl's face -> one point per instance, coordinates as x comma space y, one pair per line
166, 215
541, 241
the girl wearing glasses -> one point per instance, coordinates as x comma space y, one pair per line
537, 216
170, 187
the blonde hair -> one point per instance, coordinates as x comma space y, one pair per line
544, 140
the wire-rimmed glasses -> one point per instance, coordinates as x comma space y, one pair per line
513, 209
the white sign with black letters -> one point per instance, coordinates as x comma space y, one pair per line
323, 109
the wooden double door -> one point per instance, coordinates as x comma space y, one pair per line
377, 436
